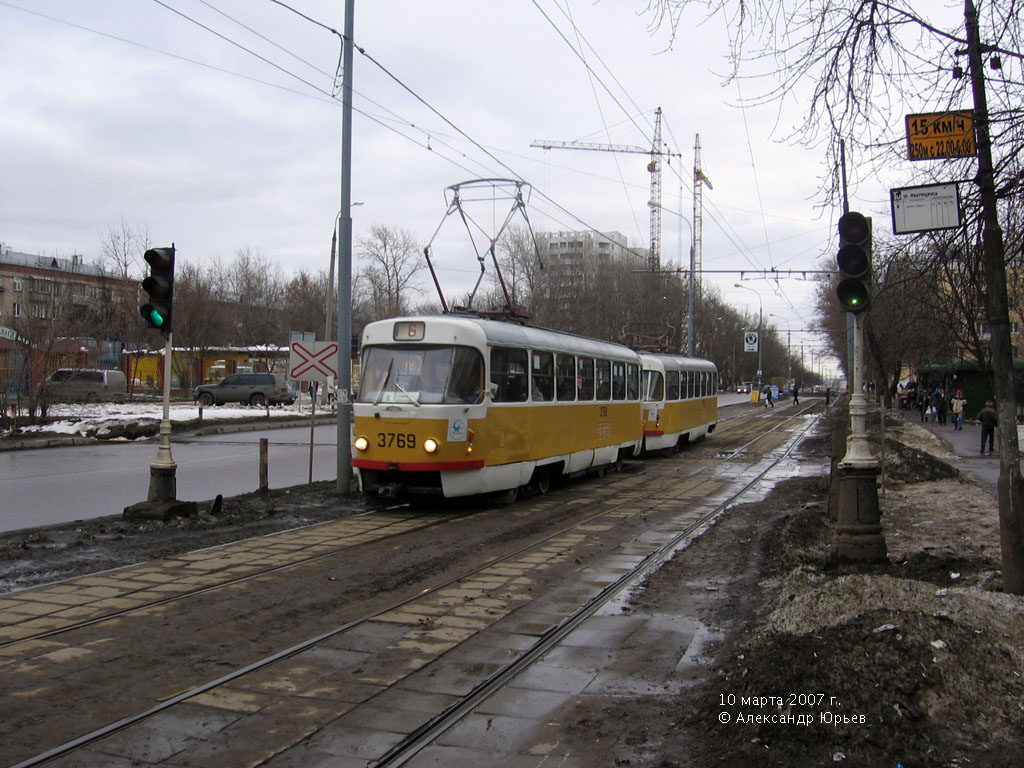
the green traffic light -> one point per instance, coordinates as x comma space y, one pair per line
152, 315
853, 294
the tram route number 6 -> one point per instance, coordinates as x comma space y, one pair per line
395, 440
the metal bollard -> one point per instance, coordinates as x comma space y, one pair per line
264, 474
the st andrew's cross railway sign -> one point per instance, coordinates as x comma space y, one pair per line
313, 361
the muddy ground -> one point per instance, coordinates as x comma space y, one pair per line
914, 662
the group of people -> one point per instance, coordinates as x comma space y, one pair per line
937, 407
940, 407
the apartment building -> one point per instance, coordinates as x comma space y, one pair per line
57, 312
51, 287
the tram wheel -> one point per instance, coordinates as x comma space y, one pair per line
542, 479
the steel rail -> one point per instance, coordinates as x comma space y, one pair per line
444, 720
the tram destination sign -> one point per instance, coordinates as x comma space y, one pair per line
940, 135
925, 208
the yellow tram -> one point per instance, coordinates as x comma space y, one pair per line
680, 400
462, 405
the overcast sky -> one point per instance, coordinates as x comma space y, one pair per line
126, 110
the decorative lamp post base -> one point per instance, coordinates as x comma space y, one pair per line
858, 532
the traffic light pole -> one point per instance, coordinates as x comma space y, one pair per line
858, 450
162, 482
858, 530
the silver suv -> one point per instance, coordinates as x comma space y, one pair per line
251, 388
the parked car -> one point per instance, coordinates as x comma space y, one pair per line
251, 388
70, 385
743, 388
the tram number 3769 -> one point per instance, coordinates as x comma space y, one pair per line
395, 440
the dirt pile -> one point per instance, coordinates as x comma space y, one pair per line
915, 662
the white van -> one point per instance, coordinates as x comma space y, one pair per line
68, 385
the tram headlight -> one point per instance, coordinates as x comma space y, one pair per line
430, 445
361, 443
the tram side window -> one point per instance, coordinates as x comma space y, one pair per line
604, 379
509, 375
632, 382
654, 385
585, 382
618, 381
688, 393
467, 375
672, 385
543, 372
565, 377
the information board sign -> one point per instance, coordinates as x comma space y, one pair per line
925, 208
940, 135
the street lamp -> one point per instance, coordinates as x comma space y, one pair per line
760, 333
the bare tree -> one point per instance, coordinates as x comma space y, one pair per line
305, 303
122, 247
859, 62
257, 289
521, 267
394, 260
200, 319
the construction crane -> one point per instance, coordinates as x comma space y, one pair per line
699, 179
654, 167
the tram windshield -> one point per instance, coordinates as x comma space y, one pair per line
421, 375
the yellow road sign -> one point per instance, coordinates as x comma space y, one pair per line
939, 135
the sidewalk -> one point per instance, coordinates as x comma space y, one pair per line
966, 444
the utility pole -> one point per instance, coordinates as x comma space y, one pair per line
1011, 484
344, 389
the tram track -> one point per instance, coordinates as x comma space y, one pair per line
443, 720
426, 733
376, 536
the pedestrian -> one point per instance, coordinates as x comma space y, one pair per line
935, 407
957, 406
943, 407
768, 397
988, 420
828, 395
796, 393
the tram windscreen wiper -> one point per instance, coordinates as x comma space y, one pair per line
384, 383
415, 401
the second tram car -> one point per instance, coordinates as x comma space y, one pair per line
680, 400
463, 405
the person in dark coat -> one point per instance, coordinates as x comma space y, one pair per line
796, 398
988, 420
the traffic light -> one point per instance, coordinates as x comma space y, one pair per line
854, 260
159, 284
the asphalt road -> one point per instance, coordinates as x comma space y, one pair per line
45, 486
